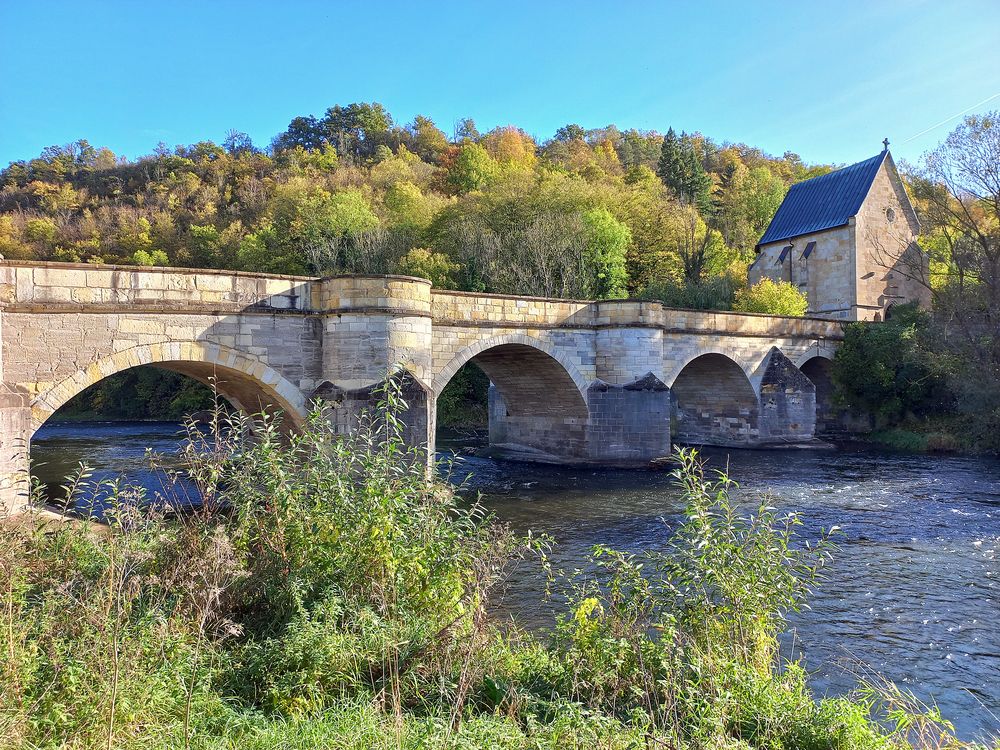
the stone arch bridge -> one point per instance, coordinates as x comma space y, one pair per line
610, 382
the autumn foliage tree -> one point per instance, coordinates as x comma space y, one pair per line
595, 212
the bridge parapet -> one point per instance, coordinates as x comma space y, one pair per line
501, 309
37, 285
402, 295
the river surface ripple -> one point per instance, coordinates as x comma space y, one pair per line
913, 590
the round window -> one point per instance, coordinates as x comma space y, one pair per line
890, 215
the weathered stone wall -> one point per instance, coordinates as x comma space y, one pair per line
827, 277
787, 402
628, 424
65, 327
714, 403
828, 419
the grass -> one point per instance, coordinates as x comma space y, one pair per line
329, 594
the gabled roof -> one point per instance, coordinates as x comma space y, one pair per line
823, 202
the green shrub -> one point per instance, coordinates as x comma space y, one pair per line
714, 293
771, 297
902, 440
885, 368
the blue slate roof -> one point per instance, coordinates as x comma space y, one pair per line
823, 202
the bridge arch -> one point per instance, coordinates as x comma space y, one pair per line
246, 381
529, 346
537, 399
714, 402
723, 351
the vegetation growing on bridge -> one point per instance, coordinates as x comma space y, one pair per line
328, 595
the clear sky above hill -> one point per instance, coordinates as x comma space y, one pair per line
827, 80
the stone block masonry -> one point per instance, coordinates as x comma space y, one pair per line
573, 380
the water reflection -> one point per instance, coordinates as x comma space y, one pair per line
912, 591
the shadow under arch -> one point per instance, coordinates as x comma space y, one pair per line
537, 404
818, 368
247, 382
681, 365
714, 403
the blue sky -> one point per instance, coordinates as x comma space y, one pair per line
827, 80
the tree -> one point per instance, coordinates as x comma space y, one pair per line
473, 169
465, 130
313, 222
681, 170
407, 207
238, 142
429, 142
306, 132
748, 200
670, 167
426, 264
694, 246
150, 258
204, 248
511, 147
772, 298
883, 369
958, 189
570, 132
957, 194
697, 183
428, 139
357, 129
542, 256
42, 231
607, 241
638, 149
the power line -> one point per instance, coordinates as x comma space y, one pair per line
952, 117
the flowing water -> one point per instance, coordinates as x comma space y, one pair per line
913, 591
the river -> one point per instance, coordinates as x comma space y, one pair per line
913, 590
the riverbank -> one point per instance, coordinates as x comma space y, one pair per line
909, 591
524, 667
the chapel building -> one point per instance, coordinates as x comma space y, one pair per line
848, 240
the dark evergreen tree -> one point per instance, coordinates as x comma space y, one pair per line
682, 172
697, 183
671, 166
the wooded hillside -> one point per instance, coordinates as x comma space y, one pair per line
588, 213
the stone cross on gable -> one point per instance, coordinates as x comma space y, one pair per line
885, 143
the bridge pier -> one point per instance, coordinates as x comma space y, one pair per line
517, 433
629, 424
625, 425
15, 433
787, 402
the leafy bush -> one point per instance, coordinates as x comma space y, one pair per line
715, 293
885, 368
436, 267
771, 297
